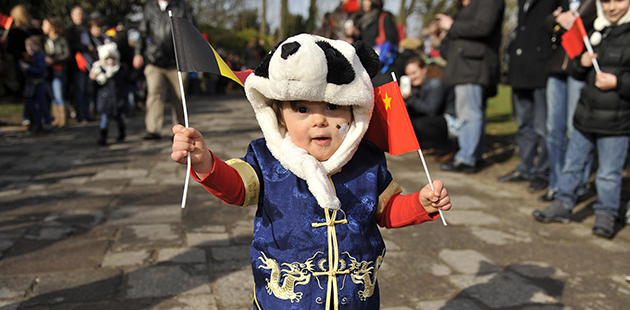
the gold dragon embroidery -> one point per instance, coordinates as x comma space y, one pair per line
360, 274
296, 274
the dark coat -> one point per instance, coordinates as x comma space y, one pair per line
156, 41
606, 112
111, 97
531, 50
473, 44
559, 63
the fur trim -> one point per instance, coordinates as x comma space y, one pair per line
602, 21
312, 68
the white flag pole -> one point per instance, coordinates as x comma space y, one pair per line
589, 48
426, 169
185, 109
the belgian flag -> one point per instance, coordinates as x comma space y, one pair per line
194, 54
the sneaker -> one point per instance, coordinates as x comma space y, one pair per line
604, 225
549, 196
455, 166
537, 184
555, 212
151, 136
514, 176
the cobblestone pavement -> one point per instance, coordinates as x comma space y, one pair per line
89, 227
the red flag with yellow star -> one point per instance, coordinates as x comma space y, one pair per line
390, 127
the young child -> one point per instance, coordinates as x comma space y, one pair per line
601, 121
321, 191
111, 97
35, 89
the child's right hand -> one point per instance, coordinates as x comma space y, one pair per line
190, 140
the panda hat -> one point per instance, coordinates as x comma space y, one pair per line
311, 68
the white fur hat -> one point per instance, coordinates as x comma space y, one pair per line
602, 22
108, 50
312, 68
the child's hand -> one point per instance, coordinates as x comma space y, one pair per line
432, 201
587, 59
605, 81
190, 140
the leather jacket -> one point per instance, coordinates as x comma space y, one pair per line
156, 41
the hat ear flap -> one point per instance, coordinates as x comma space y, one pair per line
368, 57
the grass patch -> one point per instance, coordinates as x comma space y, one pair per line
9, 109
500, 121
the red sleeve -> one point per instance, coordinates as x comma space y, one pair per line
223, 182
404, 210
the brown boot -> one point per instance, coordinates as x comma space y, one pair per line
62, 116
55, 115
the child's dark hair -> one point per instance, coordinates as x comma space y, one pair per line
57, 25
417, 60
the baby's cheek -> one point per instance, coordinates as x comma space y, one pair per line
343, 129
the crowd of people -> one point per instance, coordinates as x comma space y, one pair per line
568, 114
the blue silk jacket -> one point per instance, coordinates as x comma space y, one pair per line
307, 257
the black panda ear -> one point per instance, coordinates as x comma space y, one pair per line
263, 68
368, 57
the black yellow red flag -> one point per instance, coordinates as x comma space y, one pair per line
195, 54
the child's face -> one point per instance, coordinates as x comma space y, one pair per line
31, 47
615, 9
317, 127
415, 73
96, 31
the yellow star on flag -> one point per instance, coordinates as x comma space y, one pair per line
388, 101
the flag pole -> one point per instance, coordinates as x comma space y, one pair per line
426, 169
185, 109
587, 43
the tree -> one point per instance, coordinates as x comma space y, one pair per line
311, 22
284, 19
263, 20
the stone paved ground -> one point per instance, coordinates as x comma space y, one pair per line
87, 227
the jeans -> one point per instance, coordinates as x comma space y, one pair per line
530, 110
563, 94
612, 151
469, 108
82, 95
58, 85
38, 106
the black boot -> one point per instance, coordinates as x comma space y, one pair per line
102, 140
121, 133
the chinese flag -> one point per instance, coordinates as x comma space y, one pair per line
351, 6
390, 128
573, 40
5, 21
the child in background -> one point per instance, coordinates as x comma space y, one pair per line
112, 79
601, 121
35, 89
321, 190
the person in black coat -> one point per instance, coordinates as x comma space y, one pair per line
601, 120
529, 53
471, 49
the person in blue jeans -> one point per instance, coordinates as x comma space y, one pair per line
563, 93
600, 121
471, 49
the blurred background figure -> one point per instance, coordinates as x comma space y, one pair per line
57, 52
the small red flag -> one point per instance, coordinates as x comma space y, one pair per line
5, 21
573, 39
81, 62
390, 127
351, 6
